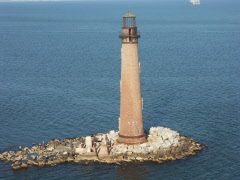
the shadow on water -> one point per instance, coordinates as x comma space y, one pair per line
133, 171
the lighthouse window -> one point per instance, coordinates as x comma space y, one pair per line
130, 32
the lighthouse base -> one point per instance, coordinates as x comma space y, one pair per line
132, 139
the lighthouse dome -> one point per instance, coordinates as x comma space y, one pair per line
129, 15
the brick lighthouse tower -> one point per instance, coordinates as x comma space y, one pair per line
131, 129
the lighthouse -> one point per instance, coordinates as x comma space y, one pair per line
131, 130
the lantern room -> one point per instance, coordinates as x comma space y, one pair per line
129, 32
129, 20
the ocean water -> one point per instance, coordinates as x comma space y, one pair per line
60, 72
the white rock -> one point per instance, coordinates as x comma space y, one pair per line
50, 149
145, 149
154, 146
112, 132
139, 158
151, 148
138, 151
145, 152
143, 145
130, 148
129, 152
18, 158
160, 141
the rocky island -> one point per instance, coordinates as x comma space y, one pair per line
130, 143
163, 144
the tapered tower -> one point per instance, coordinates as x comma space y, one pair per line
131, 129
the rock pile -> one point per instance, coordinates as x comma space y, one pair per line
163, 145
159, 138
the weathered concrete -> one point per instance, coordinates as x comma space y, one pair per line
163, 145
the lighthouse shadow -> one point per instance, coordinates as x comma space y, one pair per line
133, 171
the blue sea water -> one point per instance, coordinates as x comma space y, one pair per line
60, 72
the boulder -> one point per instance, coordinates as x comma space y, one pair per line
40, 163
139, 158
53, 154
70, 159
24, 165
25, 149
16, 165
18, 158
112, 132
151, 148
5, 153
143, 145
129, 153
49, 149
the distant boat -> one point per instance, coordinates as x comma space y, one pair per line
195, 2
